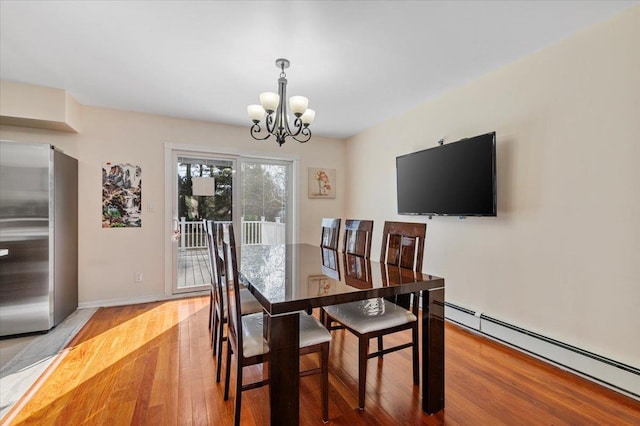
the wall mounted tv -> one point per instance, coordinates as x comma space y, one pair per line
454, 179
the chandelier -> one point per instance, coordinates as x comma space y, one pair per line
277, 122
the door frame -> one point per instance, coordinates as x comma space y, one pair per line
233, 154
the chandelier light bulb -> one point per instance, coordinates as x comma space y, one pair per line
256, 113
308, 116
269, 101
298, 105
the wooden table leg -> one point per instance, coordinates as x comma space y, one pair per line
433, 350
284, 367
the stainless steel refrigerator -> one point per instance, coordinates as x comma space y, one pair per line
38, 237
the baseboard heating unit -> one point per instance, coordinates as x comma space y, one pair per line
615, 375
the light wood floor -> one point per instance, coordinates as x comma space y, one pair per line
152, 364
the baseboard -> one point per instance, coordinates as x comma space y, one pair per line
615, 375
137, 300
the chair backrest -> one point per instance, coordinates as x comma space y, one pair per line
403, 244
357, 237
209, 229
234, 312
215, 261
330, 233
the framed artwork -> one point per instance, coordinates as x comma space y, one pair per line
322, 182
121, 195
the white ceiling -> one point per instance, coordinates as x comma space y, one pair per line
359, 62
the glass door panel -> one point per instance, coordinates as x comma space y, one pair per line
265, 201
204, 191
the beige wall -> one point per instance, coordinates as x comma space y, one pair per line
36, 106
109, 257
563, 256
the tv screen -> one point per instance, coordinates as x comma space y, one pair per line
454, 179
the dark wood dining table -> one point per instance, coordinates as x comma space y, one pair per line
289, 278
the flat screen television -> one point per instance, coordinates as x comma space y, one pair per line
454, 179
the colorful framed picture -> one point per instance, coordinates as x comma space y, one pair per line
121, 195
322, 182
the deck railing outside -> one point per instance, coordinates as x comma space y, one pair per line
193, 235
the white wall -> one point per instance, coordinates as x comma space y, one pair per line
109, 257
562, 258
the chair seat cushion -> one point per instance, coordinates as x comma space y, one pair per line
253, 341
366, 316
312, 332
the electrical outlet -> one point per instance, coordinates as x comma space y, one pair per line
138, 277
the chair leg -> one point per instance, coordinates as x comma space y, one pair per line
324, 365
380, 346
227, 374
322, 316
416, 361
218, 343
363, 351
238, 404
214, 334
210, 310
326, 319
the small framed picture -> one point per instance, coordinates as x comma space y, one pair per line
322, 182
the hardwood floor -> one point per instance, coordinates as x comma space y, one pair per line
152, 364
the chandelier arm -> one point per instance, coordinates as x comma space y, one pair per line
306, 132
256, 130
287, 130
297, 127
283, 128
270, 123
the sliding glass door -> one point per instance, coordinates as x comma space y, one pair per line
252, 193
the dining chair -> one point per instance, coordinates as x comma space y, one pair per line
250, 304
328, 240
356, 241
403, 245
217, 318
330, 233
205, 225
402, 248
246, 337
215, 311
